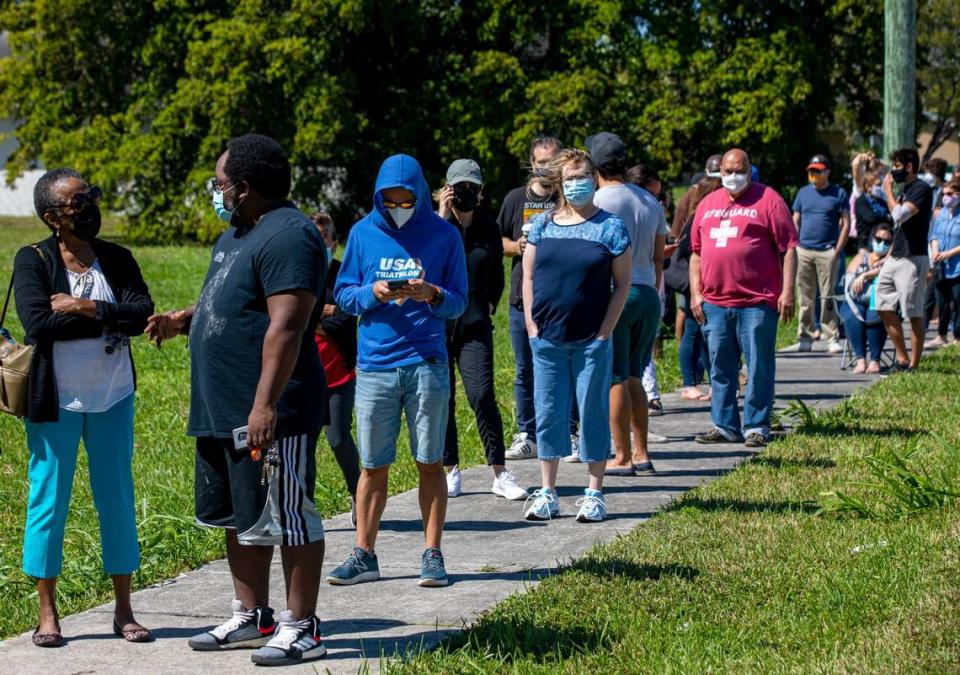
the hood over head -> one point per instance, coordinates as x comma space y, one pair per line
401, 171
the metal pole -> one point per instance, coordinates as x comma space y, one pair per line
899, 75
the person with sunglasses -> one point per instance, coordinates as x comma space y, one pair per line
862, 323
80, 299
404, 274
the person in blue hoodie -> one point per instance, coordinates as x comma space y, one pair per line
404, 274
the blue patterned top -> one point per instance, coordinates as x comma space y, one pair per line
946, 230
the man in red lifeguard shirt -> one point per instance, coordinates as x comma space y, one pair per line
742, 274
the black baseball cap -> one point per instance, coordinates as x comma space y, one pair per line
818, 163
606, 149
712, 167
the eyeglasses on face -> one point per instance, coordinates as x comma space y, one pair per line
214, 185
407, 204
81, 200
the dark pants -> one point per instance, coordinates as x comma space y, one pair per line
340, 433
948, 299
694, 358
472, 349
523, 384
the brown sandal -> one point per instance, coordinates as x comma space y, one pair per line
48, 639
133, 634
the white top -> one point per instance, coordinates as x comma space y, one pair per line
644, 219
88, 379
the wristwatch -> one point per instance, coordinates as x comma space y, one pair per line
437, 298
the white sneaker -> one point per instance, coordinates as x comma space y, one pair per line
453, 482
505, 485
834, 347
522, 447
545, 505
656, 438
294, 642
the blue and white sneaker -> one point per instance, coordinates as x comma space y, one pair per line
246, 629
295, 642
593, 508
432, 570
359, 567
545, 505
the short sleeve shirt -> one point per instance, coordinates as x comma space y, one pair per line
644, 219
820, 212
572, 274
519, 208
740, 243
283, 252
912, 235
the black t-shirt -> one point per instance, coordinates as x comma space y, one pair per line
284, 252
911, 237
484, 250
519, 208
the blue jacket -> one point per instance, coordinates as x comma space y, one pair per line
946, 230
392, 335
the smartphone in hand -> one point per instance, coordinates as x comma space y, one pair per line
397, 284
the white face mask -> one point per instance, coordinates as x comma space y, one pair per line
734, 182
928, 178
330, 250
400, 215
877, 191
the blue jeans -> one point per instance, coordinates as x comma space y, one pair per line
728, 331
108, 439
523, 383
568, 371
861, 334
694, 360
420, 391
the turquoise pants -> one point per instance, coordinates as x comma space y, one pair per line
108, 439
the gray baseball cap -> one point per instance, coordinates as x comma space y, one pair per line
464, 170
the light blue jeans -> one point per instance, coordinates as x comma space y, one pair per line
563, 371
108, 439
421, 391
728, 330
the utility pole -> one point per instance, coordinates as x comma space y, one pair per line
899, 75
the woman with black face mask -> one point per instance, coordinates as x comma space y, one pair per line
80, 300
470, 338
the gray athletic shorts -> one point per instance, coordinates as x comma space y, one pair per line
903, 281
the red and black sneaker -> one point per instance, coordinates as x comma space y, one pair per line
247, 629
295, 642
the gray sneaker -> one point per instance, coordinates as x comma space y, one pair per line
433, 572
359, 567
755, 440
249, 628
295, 642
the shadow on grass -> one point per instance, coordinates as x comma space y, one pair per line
787, 463
827, 427
618, 567
744, 506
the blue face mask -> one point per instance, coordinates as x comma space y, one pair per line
223, 213
881, 247
579, 191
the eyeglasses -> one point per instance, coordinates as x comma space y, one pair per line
81, 200
390, 204
214, 185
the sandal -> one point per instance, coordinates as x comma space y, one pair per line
48, 639
132, 634
644, 468
620, 471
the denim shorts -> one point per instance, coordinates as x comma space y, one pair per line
421, 391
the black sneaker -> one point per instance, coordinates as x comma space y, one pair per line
655, 407
755, 440
249, 628
712, 437
295, 642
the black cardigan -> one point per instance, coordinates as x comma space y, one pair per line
38, 273
340, 327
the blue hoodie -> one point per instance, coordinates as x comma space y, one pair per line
392, 335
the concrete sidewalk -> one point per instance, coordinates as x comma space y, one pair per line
490, 552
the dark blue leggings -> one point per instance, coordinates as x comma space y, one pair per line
694, 358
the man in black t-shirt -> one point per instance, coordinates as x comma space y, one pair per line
902, 279
519, 208
254, 365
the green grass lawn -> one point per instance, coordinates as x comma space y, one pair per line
746, 574
163, 462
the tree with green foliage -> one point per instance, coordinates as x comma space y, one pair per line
938, 72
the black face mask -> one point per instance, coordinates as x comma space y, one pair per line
465, 197
899, 175
86, 223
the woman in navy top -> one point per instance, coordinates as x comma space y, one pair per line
575, 283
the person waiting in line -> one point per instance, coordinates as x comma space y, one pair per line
742, 275
903, 279
80, 300
637, 329
574, 255
254, 365
336, 340
864, 327
822, 217
404, 274
870, 208
945, 248
470, 337
517, 211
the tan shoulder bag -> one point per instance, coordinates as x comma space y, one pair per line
15, 362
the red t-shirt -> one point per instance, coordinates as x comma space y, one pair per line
740, 243
334, 367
